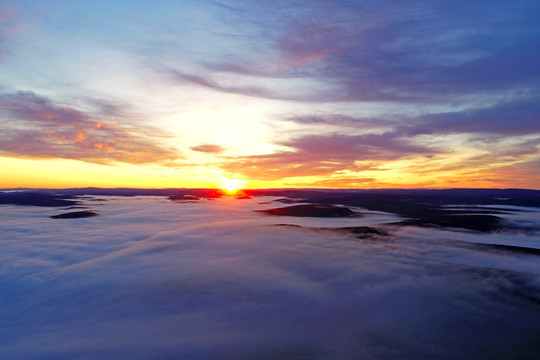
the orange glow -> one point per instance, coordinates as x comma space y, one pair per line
231, 186
64, 173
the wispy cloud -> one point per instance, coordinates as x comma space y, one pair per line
515, 175
381, 52
315, 155
341, 183
34, 126
345, 121
499, 135
208, 148
517, 117
250, 88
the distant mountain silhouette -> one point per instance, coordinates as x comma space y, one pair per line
37, 199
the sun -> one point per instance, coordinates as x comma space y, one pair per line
231, 186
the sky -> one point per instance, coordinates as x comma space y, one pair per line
330, 94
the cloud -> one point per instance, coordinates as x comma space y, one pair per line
504, 132
469, 69
504, 118
386, 55
385, 146
249, 88
216, 280
341, 121
33, 126
341, 183
507, 118
208, 148
205, 81
413, 52
515, 174
315, 155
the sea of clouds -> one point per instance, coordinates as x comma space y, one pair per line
155, 279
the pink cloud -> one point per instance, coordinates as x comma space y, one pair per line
39, 128
208, 148
317, 155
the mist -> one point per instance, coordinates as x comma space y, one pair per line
150, 278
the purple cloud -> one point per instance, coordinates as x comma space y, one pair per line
341, 120
519, 117
316, 155
260, 91
413, 52
507, 118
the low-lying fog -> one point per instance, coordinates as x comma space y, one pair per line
154, 279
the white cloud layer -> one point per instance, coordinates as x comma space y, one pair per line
154, 279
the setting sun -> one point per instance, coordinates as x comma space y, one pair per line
231, 186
